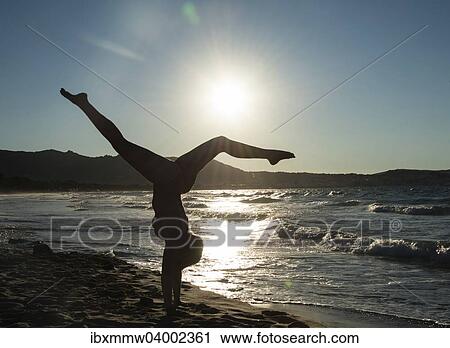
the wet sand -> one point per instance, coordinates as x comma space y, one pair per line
69, 289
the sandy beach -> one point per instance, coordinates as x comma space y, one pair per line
39, 288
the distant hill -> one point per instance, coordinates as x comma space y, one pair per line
56, 170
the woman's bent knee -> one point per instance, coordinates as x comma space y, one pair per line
221, 139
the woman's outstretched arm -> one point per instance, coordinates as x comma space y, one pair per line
153, 167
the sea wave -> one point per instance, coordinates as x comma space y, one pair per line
287, 194
301, 233
245, 193
223, 215
410, 209
349, 203
194, 205
136, 205
190, 199
433, 253
437, 253
316, 203
263, 199
79, 205
335, 193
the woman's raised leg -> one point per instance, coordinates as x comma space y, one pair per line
153, 167
193, 161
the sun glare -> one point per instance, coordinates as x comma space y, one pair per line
229, 97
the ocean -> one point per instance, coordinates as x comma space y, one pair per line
381, 250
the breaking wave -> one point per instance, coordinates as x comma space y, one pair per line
432, 253
437, 253
410, 210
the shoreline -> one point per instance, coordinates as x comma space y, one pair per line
71, 289
329, 316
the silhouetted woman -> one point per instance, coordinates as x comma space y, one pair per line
171, 179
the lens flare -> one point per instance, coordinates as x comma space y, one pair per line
189, 12
228, 97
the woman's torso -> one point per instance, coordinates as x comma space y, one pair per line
170, 222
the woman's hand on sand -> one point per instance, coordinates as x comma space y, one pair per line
77, 99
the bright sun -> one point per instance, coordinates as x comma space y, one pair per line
229, 97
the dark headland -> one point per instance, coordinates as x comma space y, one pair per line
52, 170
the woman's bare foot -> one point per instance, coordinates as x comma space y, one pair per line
276, 156
77, 99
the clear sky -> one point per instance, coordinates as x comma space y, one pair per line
174, 56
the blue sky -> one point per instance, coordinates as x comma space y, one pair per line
396, 114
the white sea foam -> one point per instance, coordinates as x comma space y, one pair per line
410, 209
434, 253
